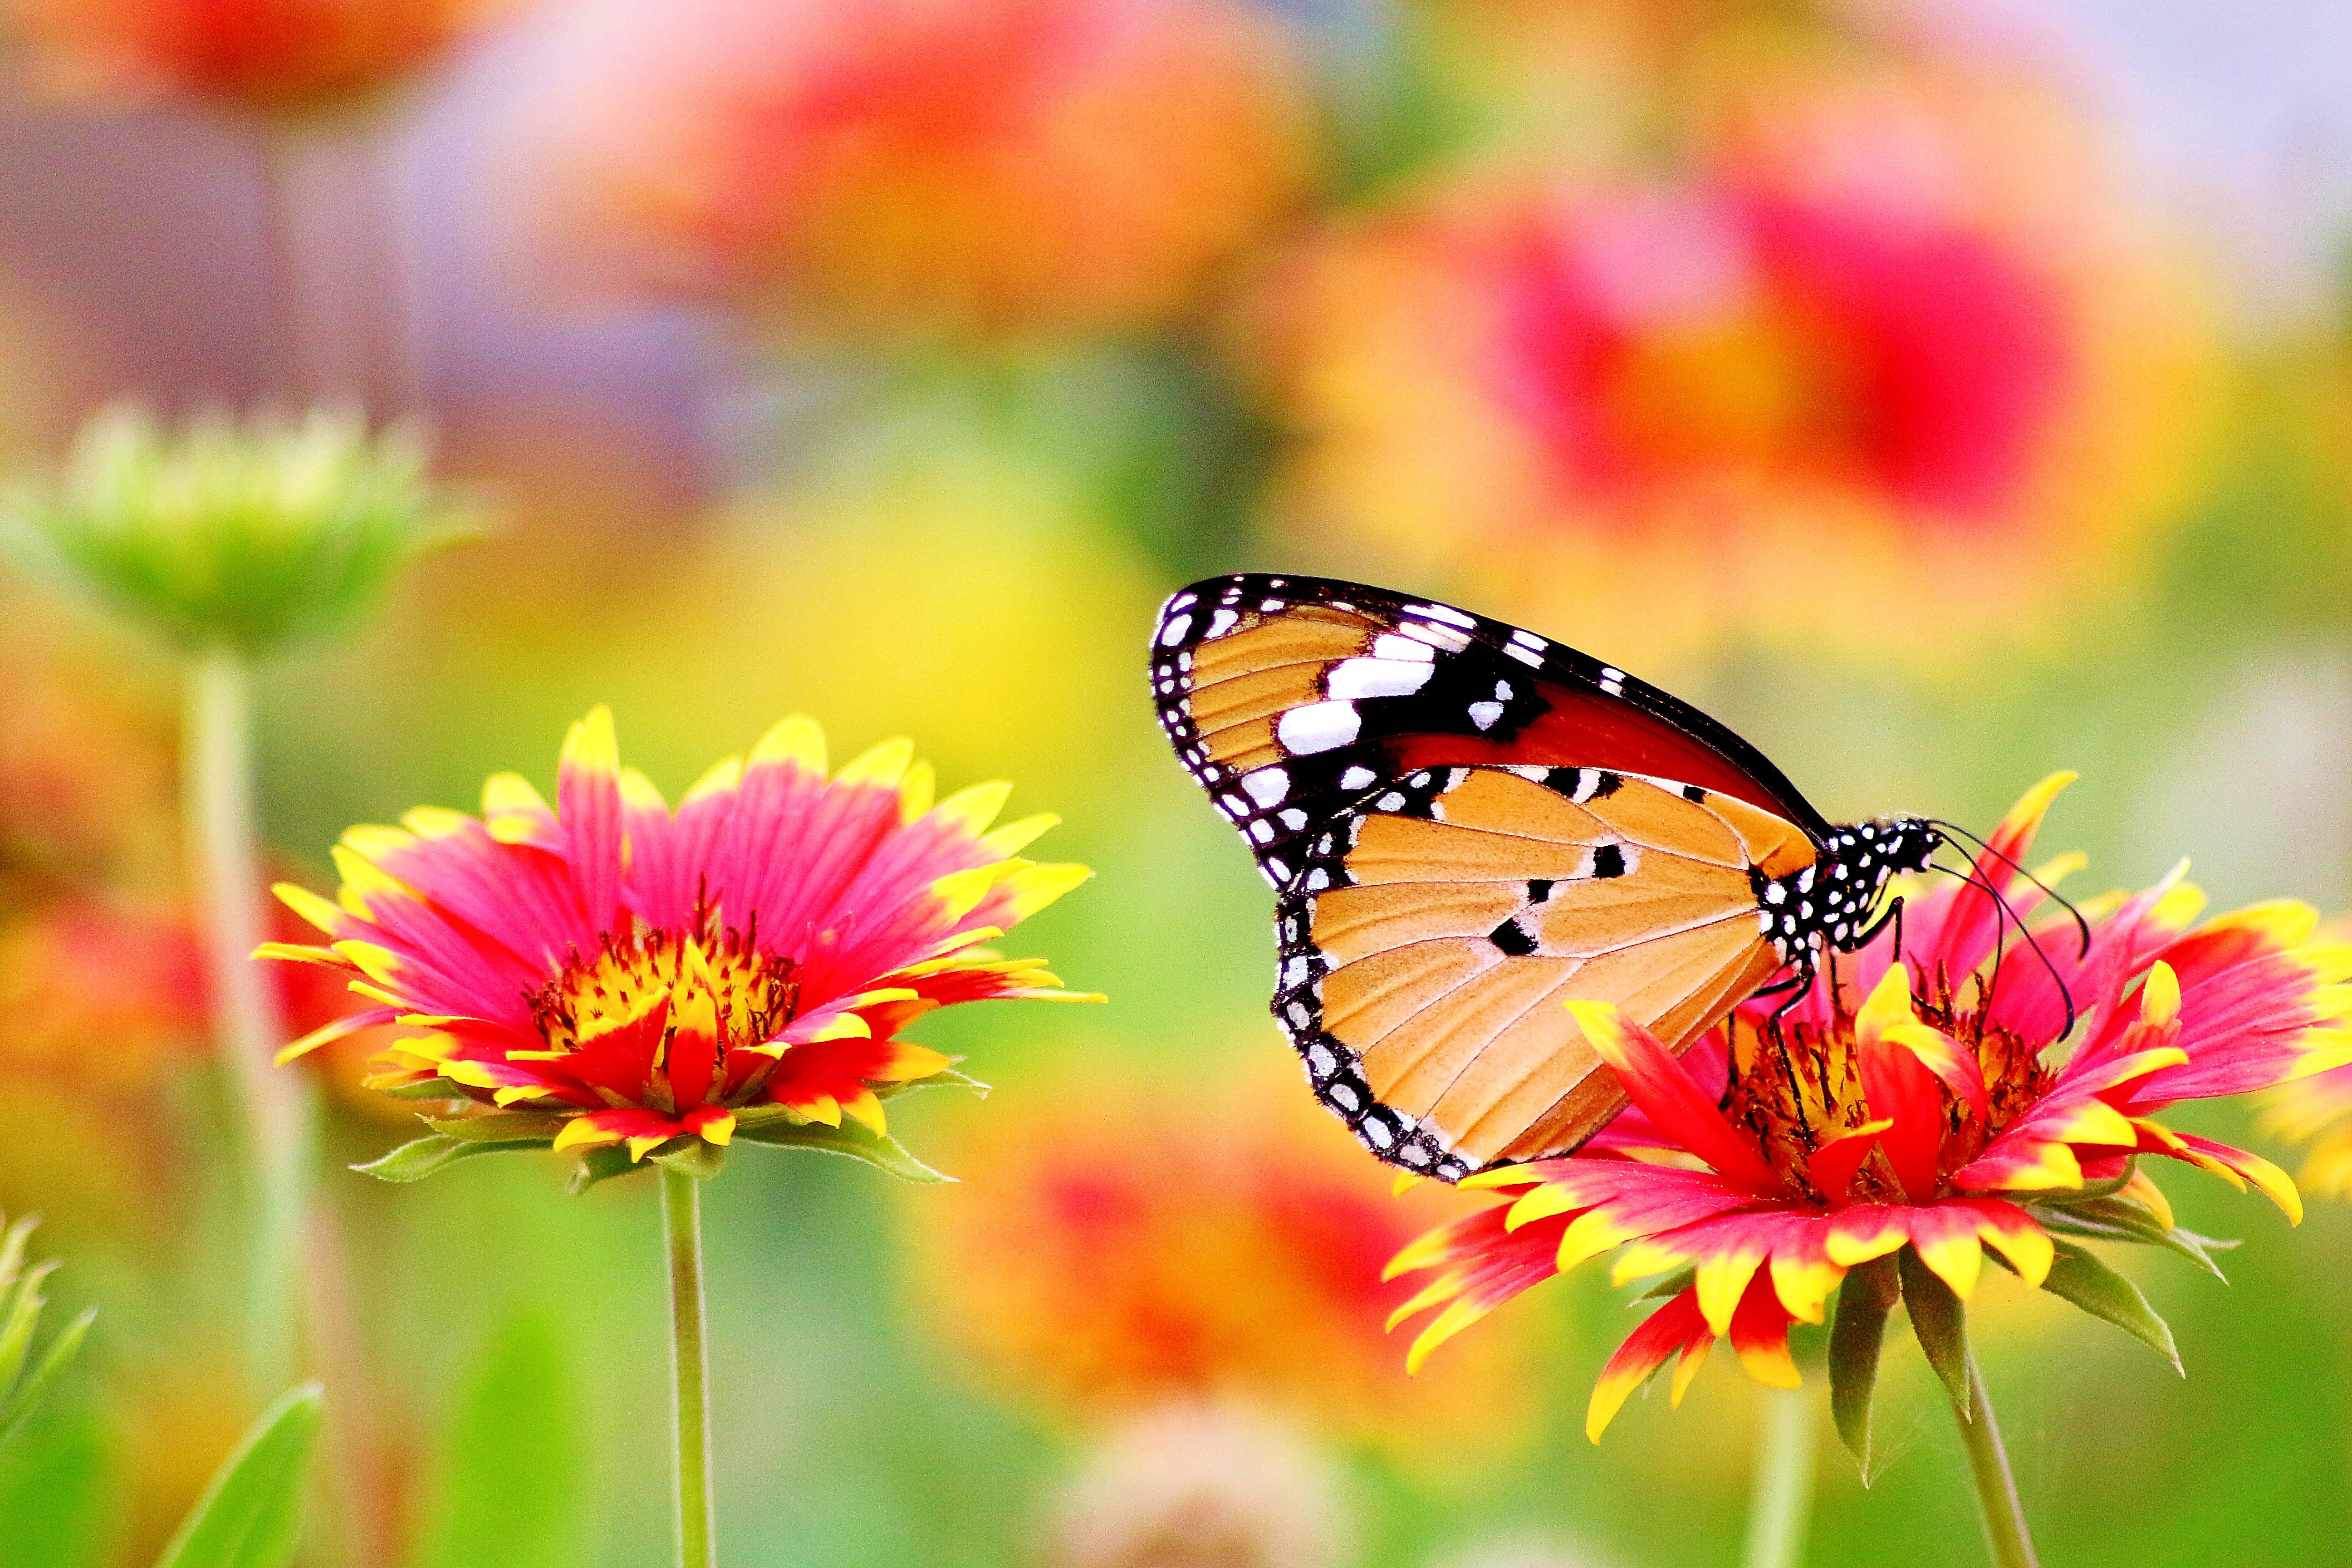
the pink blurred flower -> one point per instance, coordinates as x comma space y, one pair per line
918, 166
1847, 360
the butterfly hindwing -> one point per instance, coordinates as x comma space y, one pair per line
1437, 924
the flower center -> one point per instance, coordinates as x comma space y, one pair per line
1796, 1086
719, 985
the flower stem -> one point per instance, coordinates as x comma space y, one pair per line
2004, 1519
690, 1361
1782, 1495
246, 1019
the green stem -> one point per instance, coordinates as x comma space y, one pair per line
690, 1363
248, 1028
2004, 1519
1782, 1496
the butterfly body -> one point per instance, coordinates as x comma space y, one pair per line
1465, 825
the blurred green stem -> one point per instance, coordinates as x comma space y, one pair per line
1782, 1495
247, 1026
690, 1361
2004, 1519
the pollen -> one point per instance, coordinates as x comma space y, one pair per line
716, 982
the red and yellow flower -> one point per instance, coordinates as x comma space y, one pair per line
1988, 1091
1118, 1243
610, 975
1776, 386
915, 168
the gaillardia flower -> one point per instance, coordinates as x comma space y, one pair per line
1908, 1112
621, 978
2316, 1111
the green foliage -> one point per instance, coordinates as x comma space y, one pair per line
2075, 1275
53, 1491
1939, 1321
2122, 1219
876, 1149
20, 1318
250, 1515
1864, 1301
512, 1460
241, 535
413, 1162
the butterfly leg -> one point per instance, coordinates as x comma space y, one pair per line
1893, 915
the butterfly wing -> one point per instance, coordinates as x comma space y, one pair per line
1410, 776
1438, 926
1288, 697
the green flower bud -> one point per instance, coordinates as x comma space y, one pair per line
248, 534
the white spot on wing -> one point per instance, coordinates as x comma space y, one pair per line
1388, 644
1354, 679
1318, 726
1358, 778
1266, 785
1484, 714
1173, 632
1221, 622
1446, 613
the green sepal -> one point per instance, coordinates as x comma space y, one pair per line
946, 1077
695, 1157
439, 1089
499, 1127
2077, 1276
1866, 1300
604, 1162
878, 1149
415, 1160
2121, 1219
1939, 1321
1672, 1284
20, 1401
251, 1514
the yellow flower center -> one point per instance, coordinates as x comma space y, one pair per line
1796, 1086
719, 985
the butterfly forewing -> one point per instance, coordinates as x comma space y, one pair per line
1468, 824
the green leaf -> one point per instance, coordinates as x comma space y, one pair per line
877, 1150
2121, 1219
251, 1514
512, 1464
22, 1315
414, 1161
438, 1089
53, 1491
499, 1127
604, 1162
1864, 1301
2075, 1275
1939, 1321
946, 1077
1672, 1284
691, 1156
20, 1401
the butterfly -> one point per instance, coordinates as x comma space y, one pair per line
1466, 824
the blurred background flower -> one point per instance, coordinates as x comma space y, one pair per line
918, 166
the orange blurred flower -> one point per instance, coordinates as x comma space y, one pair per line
1887, 341
1117, 1242
912, 167
275, 57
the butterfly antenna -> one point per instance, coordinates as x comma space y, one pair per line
2080, 925
2065, 993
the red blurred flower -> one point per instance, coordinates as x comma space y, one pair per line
1118, 1243
626, 975
909, 167
1773, 1162
272, 56
1835, 364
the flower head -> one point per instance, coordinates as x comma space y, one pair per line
613, 976
248, 534
1775, 387
1913, 1109
274, 57
1103, 1256
921, 167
